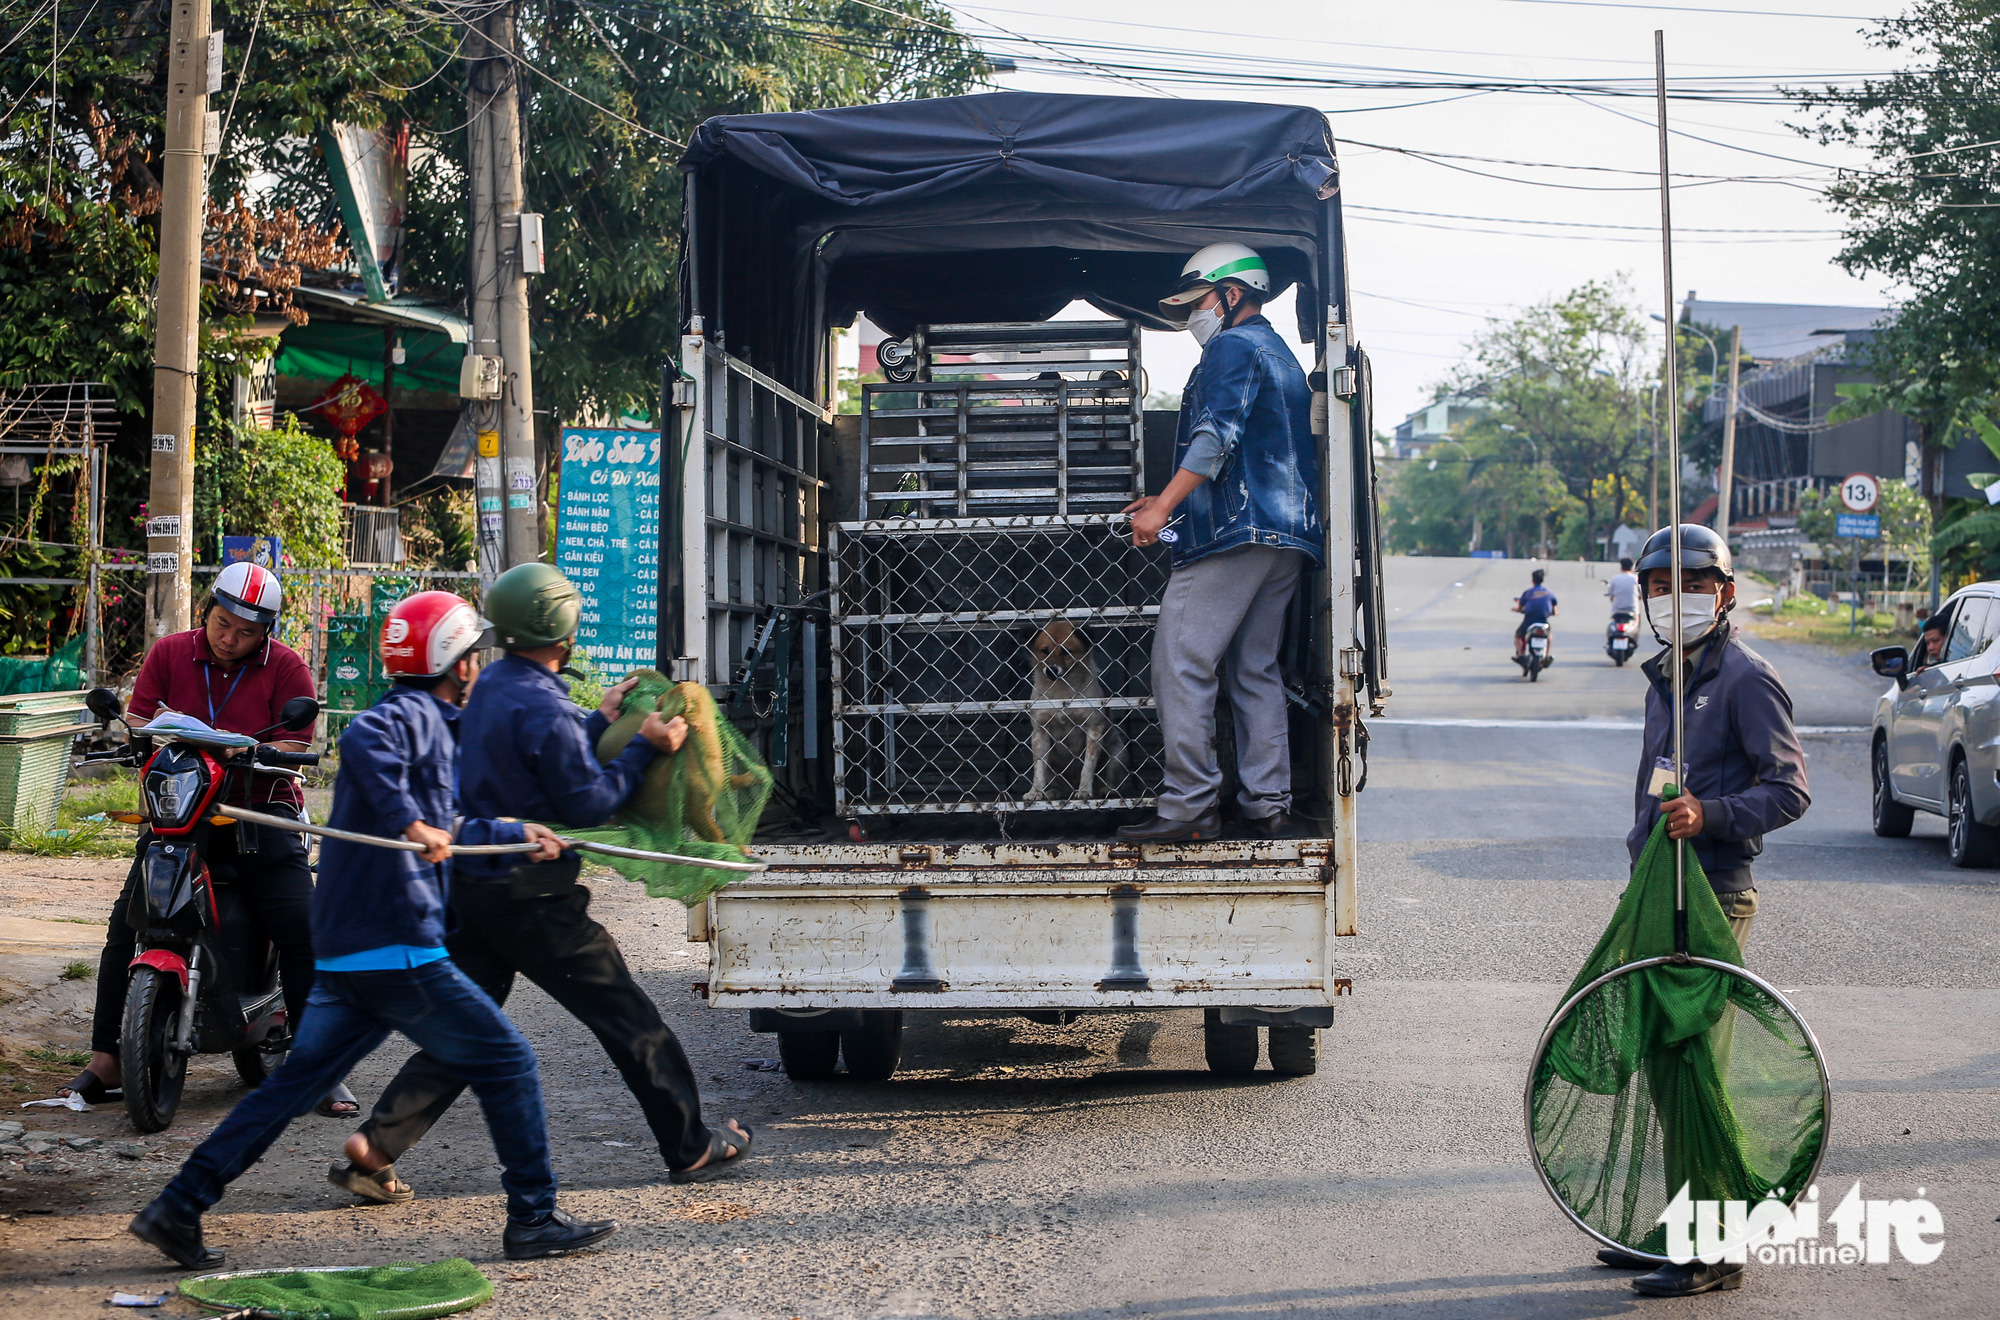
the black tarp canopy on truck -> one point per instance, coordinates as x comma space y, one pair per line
998, 207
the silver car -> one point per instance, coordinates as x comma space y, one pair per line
1936, 736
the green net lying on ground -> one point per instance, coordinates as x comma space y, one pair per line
1673, 1074
358, 1292
703, 801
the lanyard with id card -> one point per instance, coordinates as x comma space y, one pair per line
1663, 774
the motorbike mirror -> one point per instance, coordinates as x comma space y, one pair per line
298, 713
1890, 662
104, 704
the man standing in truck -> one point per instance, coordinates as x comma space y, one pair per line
1244, 499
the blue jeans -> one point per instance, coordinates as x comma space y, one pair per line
445, 1015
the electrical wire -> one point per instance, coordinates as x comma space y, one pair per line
1577, 224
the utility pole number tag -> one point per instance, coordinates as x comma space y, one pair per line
163, 563
165, 442
169, 525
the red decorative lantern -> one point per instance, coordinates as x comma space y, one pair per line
368, 472
350, 403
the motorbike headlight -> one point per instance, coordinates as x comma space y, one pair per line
173, 796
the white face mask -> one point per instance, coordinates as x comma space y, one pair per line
1698, 615
1204, 325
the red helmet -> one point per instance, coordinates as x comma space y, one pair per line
250, 592
426, 634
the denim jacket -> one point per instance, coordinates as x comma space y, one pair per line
1250, 396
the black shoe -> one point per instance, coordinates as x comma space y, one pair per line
179, 1238
1625, 1260
1160, 829
554, 1235
1277, 825
1689, 1280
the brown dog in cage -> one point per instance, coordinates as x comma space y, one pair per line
1082, 736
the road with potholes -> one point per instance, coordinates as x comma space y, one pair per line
1097, 1170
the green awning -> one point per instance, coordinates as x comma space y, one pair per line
328, 350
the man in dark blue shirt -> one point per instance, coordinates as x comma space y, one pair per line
1535, 605
526, 750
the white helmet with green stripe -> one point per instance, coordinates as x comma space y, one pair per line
1214, 264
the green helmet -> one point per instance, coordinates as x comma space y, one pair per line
532, 605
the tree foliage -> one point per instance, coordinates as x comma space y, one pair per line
284, 482
1564, 385
1923, 214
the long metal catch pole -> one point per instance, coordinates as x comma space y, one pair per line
477, 849
1671, 406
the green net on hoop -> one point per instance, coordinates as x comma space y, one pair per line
1672, 1074
347, 1292
703, 801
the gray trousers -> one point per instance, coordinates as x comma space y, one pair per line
1228, 606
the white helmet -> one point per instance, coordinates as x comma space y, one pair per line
249, 592
1211, 266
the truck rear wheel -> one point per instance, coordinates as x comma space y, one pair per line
1231, 1047
1295, 1051
809, 1056
875, 1047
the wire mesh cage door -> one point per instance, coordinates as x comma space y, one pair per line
1619, 1125
993, 665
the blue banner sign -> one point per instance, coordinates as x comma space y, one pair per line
608, 542
1858, 526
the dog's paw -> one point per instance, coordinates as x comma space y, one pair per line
1082, 794
1037, 795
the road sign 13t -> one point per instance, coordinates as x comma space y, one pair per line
1859, 492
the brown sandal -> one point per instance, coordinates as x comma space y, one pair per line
378, 1185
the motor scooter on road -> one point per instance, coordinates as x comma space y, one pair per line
203, 978
1537, 657
1621, 638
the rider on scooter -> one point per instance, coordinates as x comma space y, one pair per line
1535, 605
230, 672
1623, 592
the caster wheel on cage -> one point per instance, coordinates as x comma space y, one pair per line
857, 832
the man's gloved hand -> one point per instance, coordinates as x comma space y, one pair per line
665, 735
1684, 816
551, 841
437, 842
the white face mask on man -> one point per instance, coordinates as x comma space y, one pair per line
1205, 324
1698, 615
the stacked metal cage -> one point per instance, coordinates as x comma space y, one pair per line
991, 491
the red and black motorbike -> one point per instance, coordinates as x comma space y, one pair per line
204, 978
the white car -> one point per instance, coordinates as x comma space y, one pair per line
1936, 737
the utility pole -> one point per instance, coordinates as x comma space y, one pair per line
177, 325
1725, 479
509, 521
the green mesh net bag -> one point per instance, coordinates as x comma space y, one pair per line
1656, 1073
347, 1292
703, 801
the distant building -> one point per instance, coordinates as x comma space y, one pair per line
1426, 426
1775, 332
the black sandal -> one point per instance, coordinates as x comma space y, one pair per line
720, 1142
371, 1184
93, 1088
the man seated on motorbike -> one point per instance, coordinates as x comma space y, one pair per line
230, 672
1535, 605
1623, 592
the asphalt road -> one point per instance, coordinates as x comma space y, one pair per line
1097, 1171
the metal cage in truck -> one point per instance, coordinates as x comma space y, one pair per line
858, 582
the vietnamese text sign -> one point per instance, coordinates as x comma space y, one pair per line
1861, 526
608, 542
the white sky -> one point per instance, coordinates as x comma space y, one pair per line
1456, 278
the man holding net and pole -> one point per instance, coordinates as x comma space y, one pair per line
529, 752
1673, 1089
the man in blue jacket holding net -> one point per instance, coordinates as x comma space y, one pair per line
1746, 774
1246, 489
378, 925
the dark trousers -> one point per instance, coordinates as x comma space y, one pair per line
551, 940
448, 1017
274, 883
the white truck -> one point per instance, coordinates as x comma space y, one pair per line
864, 590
